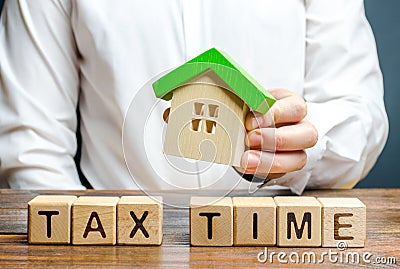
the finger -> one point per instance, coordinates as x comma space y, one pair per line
166, 114
261, 162
289, 109
287, 138
262, 175
280, 93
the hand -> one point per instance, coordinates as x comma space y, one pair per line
277, 140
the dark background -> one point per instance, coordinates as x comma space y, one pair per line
385, 21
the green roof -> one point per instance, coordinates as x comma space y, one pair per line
243, 85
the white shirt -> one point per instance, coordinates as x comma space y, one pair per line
54, 53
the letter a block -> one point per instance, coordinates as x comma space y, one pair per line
49, 219
211, 221
299, 221
343, 220
94, 220
254, 221
139, 220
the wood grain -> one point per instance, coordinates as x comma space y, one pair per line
211, 221
49, 219
383, 236
254, 221
293, 226
188, 134
343, 220
94, 220
139, 220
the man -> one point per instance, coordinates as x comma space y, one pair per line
318, 57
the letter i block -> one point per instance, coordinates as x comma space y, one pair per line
139, 220
299, 221
211, 221
254, 221
49, 219
94, 220
343, 220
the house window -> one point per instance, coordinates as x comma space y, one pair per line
210, 126
206, 118
196, 125
199, 109
213, 110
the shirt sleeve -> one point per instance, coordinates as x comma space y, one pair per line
39, 85
344, 93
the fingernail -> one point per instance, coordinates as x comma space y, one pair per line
261, 121
254, 123
254, 139
252, 160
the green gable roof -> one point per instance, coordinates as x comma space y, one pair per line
246, 87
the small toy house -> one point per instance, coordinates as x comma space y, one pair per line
211, 96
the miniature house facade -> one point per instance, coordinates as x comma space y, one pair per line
211, 96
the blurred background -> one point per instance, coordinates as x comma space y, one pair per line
385, 21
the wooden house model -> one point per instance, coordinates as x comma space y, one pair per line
211, 96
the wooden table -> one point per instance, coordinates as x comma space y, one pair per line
383, 237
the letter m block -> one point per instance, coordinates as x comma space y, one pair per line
299, 221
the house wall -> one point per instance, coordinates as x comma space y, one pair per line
226, 145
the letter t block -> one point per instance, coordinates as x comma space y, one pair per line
211, 221
299, 221
49, 219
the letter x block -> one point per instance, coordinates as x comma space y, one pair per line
299, 221
139, 220
343, 220
211, 221
49, 219
94, 220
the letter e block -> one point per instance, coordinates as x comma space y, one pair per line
211, 221
94, 220
49, 219
254, 221
343, 220
139, 220
299, 221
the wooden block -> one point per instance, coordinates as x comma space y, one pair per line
343, 220
299, 221
49, 219
211, 221
254, 221
139, 220
94, 220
